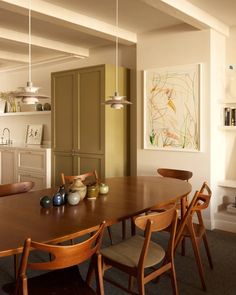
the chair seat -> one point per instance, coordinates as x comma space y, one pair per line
128, 251
61, 282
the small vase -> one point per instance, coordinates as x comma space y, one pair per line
103, 188
73, 198
78, 186
93, 191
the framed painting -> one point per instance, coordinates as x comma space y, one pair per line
34, 134
172, 108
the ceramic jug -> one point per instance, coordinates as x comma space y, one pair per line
78, 186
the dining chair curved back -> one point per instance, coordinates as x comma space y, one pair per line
15, 188
65, 277
139, 253
88, 178
175, 173
196, 231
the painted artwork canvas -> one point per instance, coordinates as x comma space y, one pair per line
172, 108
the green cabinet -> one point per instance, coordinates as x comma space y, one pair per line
86, 134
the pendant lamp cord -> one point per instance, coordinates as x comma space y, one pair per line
29, 40
117, 39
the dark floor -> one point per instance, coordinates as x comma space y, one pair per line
220, 281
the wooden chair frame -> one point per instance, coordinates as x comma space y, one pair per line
149, 224
75, 254
70, 178
196, 232
13, 189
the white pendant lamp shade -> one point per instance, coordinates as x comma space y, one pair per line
117, 101
29, 94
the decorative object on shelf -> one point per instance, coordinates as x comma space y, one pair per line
117, 101
231, 82
46, 202
73, 198
10, 104
103, 188
92, 191
57, 199
29, 94
2, 106
47, 107
231, 208
34, 134
39, 107
78, 186
172, 108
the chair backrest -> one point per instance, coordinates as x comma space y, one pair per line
15, 188
62, 256
174, 173
199, 202
88, 178
157, 222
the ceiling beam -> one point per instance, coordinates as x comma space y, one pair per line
12, 56
70, 19
190, 14
20, 37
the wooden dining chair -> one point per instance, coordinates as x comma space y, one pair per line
15, 188
196, 231
88, 178
138, 253
63, 276
12, 189
182, 175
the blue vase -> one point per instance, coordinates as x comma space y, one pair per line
57, 199
46, 202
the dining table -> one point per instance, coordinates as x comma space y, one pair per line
23, 217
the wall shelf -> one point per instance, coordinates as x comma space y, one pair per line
25, 113
228, 128
227, 183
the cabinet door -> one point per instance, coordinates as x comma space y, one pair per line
61, 162
38, 179
88, 162
65, 111
8, 170
32, 161
91, 115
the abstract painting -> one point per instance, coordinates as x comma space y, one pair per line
172, 108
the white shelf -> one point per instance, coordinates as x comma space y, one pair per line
228, 128
227, 183
228, 101
25, 113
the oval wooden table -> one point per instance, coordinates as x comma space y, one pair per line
22, 216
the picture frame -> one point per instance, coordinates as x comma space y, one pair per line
172, 108
34, 134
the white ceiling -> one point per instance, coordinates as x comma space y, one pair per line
69, 28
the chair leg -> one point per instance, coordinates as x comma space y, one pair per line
100, 287
141, 289
16, 264
109, 233
199, 262
207, 250
131, 283
174, 280
123, 229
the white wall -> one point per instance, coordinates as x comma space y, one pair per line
179, 45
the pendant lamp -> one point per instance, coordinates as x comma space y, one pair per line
29, 94
117, 101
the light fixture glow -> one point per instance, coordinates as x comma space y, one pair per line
117, 101
29, 94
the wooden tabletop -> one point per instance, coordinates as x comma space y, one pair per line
23, 217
